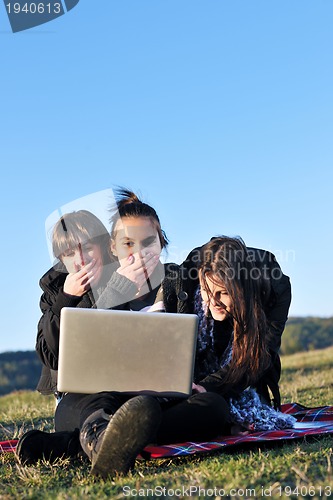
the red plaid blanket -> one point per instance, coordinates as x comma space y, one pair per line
310, 422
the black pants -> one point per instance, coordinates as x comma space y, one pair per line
200, 417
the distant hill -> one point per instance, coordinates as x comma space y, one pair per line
307, 334
19, 370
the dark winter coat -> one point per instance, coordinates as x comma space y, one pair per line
276, 297
54, 299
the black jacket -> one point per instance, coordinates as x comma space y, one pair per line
276, 297
54, 299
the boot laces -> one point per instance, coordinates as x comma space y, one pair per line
93, 432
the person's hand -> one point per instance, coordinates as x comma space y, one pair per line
79, 282
138, 267
242, 430
196, 388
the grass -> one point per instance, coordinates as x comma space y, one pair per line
299, 469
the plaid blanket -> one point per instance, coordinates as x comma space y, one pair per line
310, 422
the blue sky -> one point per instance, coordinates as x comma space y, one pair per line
219, 112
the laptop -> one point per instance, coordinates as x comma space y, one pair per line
126, 351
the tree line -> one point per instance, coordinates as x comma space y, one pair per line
19, 370
307, 334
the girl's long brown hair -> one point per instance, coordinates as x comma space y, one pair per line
227, 260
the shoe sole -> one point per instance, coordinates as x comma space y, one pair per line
130, 429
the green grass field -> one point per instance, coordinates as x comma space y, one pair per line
302, 469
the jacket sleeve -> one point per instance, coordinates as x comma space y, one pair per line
276, 308
215, 383
52, 301
278, 299
118, 291
172, 290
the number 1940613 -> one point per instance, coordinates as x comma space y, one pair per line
33, 8
305, 491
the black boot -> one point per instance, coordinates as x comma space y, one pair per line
35, 445
112, 442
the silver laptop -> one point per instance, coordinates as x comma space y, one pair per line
126, 351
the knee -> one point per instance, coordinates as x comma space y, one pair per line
213, 402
